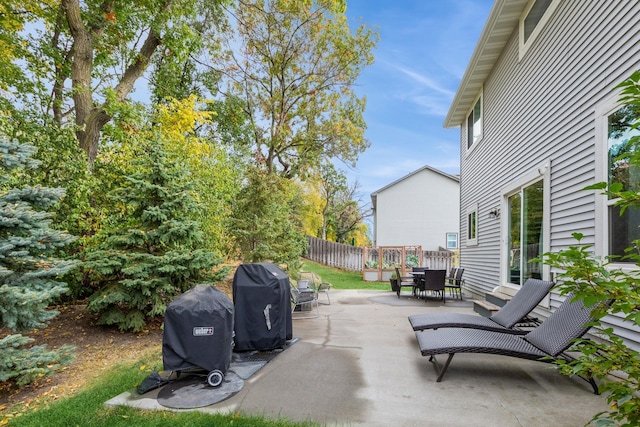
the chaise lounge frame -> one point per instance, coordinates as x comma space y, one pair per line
505, 320
545, 343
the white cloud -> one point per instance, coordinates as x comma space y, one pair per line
421, 90
425, 81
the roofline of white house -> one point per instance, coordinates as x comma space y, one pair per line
502, 21
374, 195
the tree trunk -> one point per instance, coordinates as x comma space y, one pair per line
94, 122
81, 67
91, 119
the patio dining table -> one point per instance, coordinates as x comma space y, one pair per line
419, 277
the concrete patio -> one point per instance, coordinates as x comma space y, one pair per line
359, 364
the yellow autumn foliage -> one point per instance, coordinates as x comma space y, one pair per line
312, 213
178, 120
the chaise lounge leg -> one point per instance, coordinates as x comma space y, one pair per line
594, 385
589, 379
440, 370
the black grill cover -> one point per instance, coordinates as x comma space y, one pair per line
198, 330
261, 295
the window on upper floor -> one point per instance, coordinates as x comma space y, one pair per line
474, 123
535, 16
623, 229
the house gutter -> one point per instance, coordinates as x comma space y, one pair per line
502, 22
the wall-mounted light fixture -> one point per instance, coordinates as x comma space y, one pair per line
494, 213
543, 168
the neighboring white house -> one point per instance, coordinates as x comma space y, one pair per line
421, 208
535, 107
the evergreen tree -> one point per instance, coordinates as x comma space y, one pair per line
153, 251
28, 270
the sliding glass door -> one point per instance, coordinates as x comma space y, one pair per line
525, 233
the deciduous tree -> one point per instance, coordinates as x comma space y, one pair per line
14, 15
331, 183
265, 220
342, 211
294, 64
85, 57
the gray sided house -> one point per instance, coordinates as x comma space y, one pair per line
539, 118
421, 208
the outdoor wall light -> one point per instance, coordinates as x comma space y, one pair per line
494, 213
542, 169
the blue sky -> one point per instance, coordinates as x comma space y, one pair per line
422, 54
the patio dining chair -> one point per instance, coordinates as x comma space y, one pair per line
545, 343
505, 320
454, 281
404, 282
433, 280
451, 274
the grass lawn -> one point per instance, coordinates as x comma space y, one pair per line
341, 279
87, 409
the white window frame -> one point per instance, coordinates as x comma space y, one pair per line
472, 209
602, 112
542, 171
524, 46
455, 235
479, 98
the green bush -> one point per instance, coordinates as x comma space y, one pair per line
266, 221
412, 261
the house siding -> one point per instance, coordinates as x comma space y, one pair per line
542, 109
418, 210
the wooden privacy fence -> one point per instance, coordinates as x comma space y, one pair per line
378, 263
334, 254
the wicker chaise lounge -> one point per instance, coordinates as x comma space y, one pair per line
551, 338
505, 320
